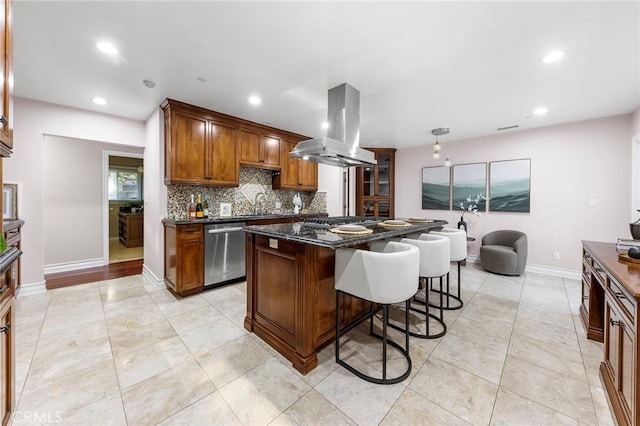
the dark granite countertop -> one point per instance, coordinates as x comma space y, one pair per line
8, 257
242, 218
299, 233
8, 224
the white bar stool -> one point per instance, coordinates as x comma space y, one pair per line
458, 239
434, 263
386, 275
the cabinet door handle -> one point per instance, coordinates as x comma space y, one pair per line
619, 295
614, 323
3, 120
3, 289
5, 328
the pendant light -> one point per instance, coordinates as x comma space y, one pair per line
437, 147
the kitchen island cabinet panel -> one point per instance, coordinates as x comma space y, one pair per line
293, 268
275, 304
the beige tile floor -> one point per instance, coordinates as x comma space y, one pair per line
119, 253
121, 352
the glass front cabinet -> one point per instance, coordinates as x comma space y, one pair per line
375, 185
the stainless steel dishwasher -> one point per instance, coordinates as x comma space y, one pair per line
223, 253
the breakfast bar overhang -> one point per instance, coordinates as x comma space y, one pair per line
290, 284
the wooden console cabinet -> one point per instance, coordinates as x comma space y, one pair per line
612, 310
131, 229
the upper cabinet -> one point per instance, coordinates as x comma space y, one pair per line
200, 147
259, 149
375, 185
294, 173
6, 83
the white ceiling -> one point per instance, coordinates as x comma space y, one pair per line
471, 66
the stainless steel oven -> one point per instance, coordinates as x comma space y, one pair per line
224, 253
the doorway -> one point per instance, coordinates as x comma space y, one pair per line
125, 199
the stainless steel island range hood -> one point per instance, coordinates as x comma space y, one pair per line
341, 145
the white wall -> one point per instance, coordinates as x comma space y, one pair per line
74, 200
33, 120
330, 181
570, 164
155, 198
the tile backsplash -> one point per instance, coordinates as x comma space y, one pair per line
252, 182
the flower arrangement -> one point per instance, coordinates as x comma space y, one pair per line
470, 205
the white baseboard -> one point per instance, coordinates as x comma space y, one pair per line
72, 266
554, 272
32, 288
542, 270
156, 282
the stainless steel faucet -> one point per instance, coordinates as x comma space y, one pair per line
257, 206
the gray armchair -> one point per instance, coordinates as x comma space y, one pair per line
504, 252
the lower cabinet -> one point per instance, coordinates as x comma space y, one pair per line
7, 346
184, 258
7, 361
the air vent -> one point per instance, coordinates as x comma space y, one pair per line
509, 127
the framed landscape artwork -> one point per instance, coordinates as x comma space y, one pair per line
435, 188
469, 180
510, 186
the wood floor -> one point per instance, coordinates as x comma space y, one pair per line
101, 273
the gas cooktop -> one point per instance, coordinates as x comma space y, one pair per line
331, 222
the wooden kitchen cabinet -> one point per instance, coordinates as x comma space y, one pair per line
184, 258
294, 173
201, 146
619, 286
375, 185
6, 83
259, 149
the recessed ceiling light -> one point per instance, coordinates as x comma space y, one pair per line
325, 125
149, 83
540, 111
98, 100
255, 100
107, 48
553, 56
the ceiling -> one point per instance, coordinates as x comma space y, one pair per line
470, 66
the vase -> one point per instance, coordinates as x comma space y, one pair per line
462, 224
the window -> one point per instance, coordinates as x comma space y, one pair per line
125, 184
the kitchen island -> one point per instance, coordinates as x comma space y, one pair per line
290, 287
